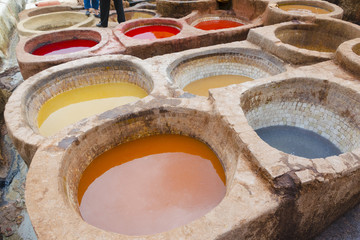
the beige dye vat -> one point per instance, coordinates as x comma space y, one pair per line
71, 106
303, 9
201, 87
151, 185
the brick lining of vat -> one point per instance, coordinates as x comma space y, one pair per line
325, 108
246, 62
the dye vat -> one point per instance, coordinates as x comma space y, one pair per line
152, 32
214, 24
133, 14
304, 43
198, 72
151, 185
54, 21
63, 47
303, 9
71, 106
102, 82
309, 122
356, 49
201, 87
298, 141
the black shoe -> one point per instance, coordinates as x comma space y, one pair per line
97, 15
99, 25
87, 13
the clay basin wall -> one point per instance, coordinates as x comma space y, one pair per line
45, 85
304, 43
274, 14
53, 21
31, 64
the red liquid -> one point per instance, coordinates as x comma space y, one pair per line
152, 32
151, 185
64, 47
217, 24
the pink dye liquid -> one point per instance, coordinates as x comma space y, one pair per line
63, 47
152, 32
217, 24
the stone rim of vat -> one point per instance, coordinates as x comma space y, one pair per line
31, 64
348, 55
120, 31
23, 105
113, 15
266, 37
197, 17
47, 9
277, 65
274, 14
45, 191
24, 30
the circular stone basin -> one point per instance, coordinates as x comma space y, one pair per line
54, 21
310, 122
72, 91
63, 47
309, 37
197, 73
181, 173
215, 23
153, 32
180, 133
133, 14
303, 9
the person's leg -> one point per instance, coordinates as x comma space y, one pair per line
119, 10
87, 6
95, 6
104, 12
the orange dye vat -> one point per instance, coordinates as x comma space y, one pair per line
303, 9
63, 47
151, 185
152, 32
217, 24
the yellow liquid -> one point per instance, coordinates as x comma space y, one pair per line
73, 105
301, 9
201, 87
151, 185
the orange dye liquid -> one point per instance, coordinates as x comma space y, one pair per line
217, 24
303, 9
151, 185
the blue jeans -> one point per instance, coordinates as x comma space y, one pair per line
94, 4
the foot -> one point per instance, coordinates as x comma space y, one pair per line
97, 15
87, 13
99, 25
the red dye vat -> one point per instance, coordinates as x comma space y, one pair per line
217, 24
63, 47
152, 32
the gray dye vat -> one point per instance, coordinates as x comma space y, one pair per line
298, 141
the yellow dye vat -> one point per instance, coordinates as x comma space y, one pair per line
301, 9
201, 87
71, 106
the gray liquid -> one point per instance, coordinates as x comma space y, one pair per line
298, 141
